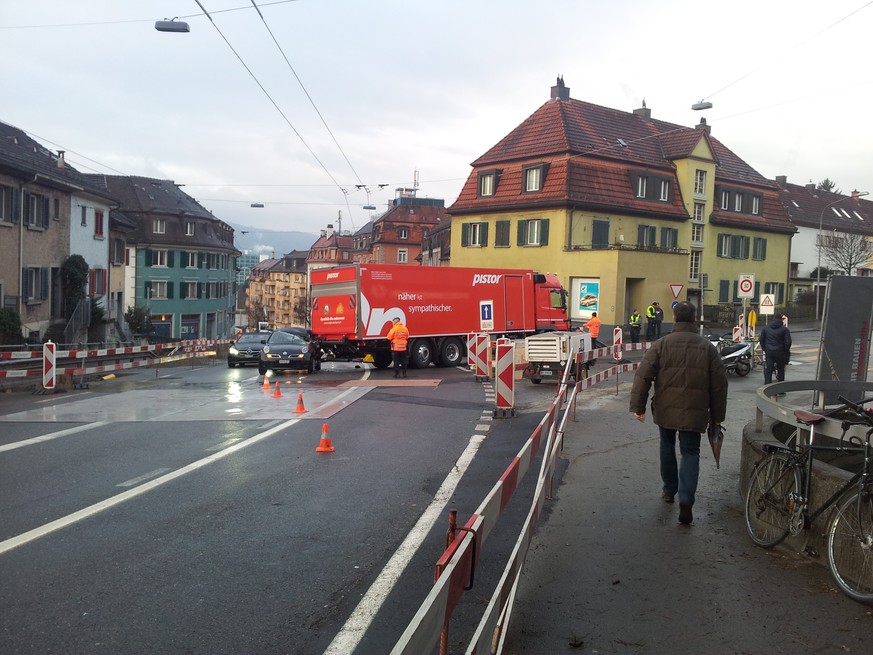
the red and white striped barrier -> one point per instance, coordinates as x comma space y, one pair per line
481, 351
504, 379
48, 365
471, 348
423, 632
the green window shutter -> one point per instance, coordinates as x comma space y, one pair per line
599, 234
720, 246
763, 248
757, 291
724, 290
744, 254
465, 234
641, 235
147, 257
522, 233
170, 258
16, 206
502, 233
45, 217
736, 297
24, 273
483, 232
169, 290
544, 232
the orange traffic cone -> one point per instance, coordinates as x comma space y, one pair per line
300, 408
325, 446
278, 392
266, 384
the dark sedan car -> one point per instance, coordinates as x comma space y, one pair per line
289, 350
246, 349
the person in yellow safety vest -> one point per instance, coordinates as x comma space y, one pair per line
650, 321
398, 335
636, 322
593, 326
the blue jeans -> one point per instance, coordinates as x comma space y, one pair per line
681, 478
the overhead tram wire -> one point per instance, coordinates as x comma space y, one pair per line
791, 49
272, 101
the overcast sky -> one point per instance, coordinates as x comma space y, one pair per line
409, 85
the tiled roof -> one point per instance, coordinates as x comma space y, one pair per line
592, 153
807, 206
21, 154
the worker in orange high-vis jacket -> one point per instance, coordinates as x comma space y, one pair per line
398, 335
593, 326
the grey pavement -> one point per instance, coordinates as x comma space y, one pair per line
611, 570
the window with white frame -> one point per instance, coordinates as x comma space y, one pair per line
34, 283
665, 191
402, 232
402, 256
474, 234
756, 205
190, 259
697, 232
189, 228
647, 236
759, 248
6, 204
533, 232
694, 265
669, 238
97, 279
738, 202
189, 290
699, 182
642, 186
212, 290
83, 211
36, 210
159, 258
533, 179
159, 226
486, 184
159, 289
725, 200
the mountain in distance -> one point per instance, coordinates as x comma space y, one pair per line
272, 243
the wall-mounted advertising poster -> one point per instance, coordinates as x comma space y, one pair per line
585, 295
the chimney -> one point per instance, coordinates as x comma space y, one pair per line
559, 91
329, 232
61, 158
810, 186
703, 126
782, 180
644, 112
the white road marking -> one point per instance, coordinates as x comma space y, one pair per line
75, 517
354, 629
146, 476
222, 445
52, 435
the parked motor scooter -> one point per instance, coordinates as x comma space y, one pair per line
736, 357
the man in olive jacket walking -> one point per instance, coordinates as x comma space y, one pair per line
690, 392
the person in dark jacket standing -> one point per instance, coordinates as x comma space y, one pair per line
690, 393
775, 341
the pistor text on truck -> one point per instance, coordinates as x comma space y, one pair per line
353, 306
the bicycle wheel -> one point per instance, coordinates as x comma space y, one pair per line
769, 499
850, 545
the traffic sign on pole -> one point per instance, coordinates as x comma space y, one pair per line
746, 287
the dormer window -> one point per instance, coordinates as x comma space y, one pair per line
648, 185
642, 186
402, 232
532, 178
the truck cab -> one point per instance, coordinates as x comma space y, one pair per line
551, 300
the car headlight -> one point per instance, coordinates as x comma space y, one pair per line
233, 350
266, 350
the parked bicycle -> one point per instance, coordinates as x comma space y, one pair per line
778, 498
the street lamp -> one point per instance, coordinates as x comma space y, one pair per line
855, 194
174, 25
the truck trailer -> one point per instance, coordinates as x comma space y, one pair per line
353, 307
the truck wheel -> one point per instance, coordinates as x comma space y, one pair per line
421, 354
382, 359
451, 352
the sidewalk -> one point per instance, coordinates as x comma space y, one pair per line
611, 570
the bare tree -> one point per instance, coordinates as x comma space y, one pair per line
301, 311
846, 252
255, 311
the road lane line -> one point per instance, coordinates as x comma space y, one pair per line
75, 517
356, 626
52, 435
142, 478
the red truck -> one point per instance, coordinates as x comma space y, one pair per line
352, 308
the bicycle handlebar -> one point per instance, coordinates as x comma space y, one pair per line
865, 413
